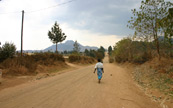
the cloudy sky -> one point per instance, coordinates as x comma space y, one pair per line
90, 22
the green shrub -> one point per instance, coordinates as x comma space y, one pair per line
132, 51
8, 50
98, 54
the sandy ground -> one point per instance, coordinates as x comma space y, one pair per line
79, 89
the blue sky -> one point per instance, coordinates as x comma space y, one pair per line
90, 22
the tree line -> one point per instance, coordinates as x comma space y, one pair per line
8, 50
153, 34
153, 19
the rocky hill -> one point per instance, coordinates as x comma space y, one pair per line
68, 46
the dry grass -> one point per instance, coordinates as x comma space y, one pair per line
111, 59
81, 59
52, 68
31, 64
157, 75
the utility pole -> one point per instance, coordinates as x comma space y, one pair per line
22, 34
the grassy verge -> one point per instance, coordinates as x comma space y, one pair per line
31, 64
156, 76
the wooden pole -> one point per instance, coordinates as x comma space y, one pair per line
22, 33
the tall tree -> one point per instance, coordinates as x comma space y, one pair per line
101, 50
76, 48
56, 35
167, 26
147, 19
86, 52
109, 50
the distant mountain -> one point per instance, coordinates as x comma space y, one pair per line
68, 46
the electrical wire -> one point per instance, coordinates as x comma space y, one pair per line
51, 6
11, 12
40, 9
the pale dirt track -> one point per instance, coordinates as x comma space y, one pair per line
79, 89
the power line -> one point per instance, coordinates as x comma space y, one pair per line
51, 6
40, 9
11, 12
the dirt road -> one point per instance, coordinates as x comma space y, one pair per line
79, 89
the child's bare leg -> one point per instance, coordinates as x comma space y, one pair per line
99, 80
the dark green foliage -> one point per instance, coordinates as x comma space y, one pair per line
8, 50
131, 51
148, 21
140, 51
56, 35
99, 54
67, 52
86, 52
167, 26
92, 53
109, 50
166, 46
76, 48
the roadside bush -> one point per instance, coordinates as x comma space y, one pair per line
19, 66
47, 58
81, 59
132, 51
140, 51
7, 51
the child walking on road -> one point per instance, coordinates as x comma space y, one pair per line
99, 68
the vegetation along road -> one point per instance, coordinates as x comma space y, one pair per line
79, 89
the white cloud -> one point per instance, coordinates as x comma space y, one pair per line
37, 24
85, 37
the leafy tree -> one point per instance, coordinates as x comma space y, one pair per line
147, 20
167, 26
109, 50
92, 53
102, 51
86, 52
131, 51
8, 50
65, 52
76, 48
56, 35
